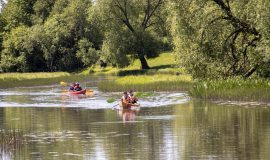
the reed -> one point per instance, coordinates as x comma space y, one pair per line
36, 75
148, 83
233, 89
8, 80
10, 139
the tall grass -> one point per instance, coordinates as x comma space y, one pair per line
234, 89
148, 83
8, 80
24, 76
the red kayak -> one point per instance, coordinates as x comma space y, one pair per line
78, 92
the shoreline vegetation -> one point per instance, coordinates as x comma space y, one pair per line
10, 80
163, 77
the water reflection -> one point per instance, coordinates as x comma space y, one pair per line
195, 130
10, 141
128, 115
228, 132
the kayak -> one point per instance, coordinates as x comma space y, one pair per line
128, 105
78, 92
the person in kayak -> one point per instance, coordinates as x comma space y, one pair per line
125, 98
72, 86
77, 87
132, 98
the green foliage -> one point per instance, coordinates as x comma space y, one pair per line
144, 94
111, 100
17, 46
2, 25
54, 43
128, 28
87, 53
18, 12
214, 39
42, 10
116, 46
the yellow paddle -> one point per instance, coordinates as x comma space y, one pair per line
63, 83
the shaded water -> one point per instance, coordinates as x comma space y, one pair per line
44, 123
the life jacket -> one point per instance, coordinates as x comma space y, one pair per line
125, 99
77, 88
71, 88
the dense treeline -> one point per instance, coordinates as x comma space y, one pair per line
211, 38
68, 35
222, 38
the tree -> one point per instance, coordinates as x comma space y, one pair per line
55, 40
226, 43
129, 26
14, 55
42, 10
63, 31
18, 12
87, 53
2, 25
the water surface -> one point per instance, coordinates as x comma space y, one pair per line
46, 123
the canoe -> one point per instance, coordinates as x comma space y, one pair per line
78, 92
128, 105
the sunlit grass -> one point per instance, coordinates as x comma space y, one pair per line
234, 89
163, 64
8, 80
23, 76
164, 59
148, 83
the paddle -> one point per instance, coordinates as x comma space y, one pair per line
62, 83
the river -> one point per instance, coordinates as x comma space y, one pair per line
47, 123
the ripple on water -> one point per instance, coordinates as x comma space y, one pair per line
46, 97
163, 117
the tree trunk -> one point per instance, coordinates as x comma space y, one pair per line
144, 64
250, 72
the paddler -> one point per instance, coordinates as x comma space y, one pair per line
125, 98
72, 86
132, 98
77, 87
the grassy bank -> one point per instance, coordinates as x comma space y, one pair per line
234, 89
164, 76
8, 80
163, 64
148, 83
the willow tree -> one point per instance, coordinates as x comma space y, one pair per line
221, 38
129, 29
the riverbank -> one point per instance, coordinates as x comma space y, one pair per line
233, 89
163, 64
9, 80
142, 83
164, 76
